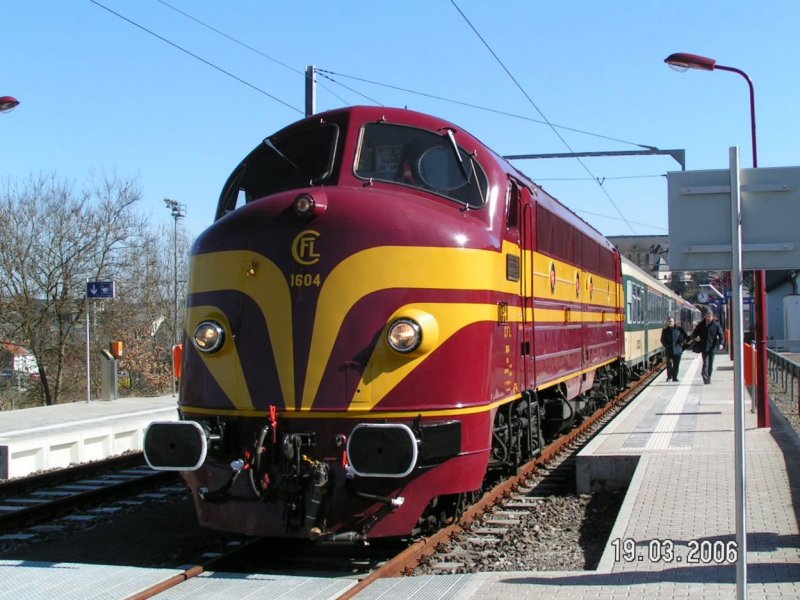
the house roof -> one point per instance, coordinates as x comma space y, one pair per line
14, 349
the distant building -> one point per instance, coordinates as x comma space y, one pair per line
782, 314
651, 253
17, 360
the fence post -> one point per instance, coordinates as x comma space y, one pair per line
798, 399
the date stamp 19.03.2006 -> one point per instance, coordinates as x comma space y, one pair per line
690, 552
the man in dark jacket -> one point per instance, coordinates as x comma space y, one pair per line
673, 337
708, 334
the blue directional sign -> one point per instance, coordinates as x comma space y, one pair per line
748, 300
99, 289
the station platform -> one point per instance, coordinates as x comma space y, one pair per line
673, 447
47, 437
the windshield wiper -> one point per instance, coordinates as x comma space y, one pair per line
268, 143
461, 164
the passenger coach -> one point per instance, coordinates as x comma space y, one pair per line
648, 305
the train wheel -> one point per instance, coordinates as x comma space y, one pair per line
465, 500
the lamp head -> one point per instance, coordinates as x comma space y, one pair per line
681, 61
8, 103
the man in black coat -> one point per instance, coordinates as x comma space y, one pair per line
708, 334
673, 337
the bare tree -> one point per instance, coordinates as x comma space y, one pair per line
53, 239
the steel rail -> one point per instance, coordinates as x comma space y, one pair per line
49, 509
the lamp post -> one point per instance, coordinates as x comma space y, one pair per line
178, 211
8, 103
682, 61
692, 61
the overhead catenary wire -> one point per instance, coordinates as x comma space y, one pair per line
195, 56
478, 107
538, 110
601, 179
594, 214
329, 75
243, 45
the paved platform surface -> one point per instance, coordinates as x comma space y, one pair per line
676, 441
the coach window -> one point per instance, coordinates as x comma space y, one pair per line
629, 307
641, 296
651, 313
421, 159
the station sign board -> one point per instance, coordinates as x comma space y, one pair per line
99, 289
701, 226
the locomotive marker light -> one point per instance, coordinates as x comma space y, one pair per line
8, 103
308, 205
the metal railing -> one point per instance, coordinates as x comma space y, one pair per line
784, 370
784, 345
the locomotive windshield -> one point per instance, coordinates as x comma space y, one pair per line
423, 159
294, 159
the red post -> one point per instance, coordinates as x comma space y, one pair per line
177, 359
762, 389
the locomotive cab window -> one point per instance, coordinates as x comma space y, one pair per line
423, 159
288, 160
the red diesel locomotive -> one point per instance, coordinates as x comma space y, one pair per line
383, 314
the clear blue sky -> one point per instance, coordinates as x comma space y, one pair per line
100, 94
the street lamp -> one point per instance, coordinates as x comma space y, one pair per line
178, 211
8, 103
681, 62
712, 288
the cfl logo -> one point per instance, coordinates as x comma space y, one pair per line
303, 250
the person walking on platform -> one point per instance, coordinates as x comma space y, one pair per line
708, 335
673, 338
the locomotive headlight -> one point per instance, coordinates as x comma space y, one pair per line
404, 335
209, 336
412, 331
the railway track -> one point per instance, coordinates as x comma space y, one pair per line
31, 501
495, 516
